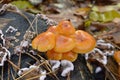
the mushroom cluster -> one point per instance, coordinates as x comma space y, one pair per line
63, 42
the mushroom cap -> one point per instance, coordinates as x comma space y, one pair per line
52, 55
71, 56
44, 42
64, 44
84, 42
53, 29
117, 56
66, 28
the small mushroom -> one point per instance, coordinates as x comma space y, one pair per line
55, 64
71, 56
64, 44
84, 42
67, 67
66, 28
44, 42
117, 57
53, 29
52, 55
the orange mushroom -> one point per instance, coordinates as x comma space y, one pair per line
53, 29
71, 56
117, 57
44, 42
64, 44
66, 28
52, 55
84, 42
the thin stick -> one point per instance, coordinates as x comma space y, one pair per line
19, 61
32, 56
113, 44
36, 26
35, 19
2, 73
114, 72
48, 65
40, 57
49, 69
29, 71
28, 63
24, 17
12, 75
68, 76
110, 73
8, 71
38, 76
1, 1
31, 25
13, 65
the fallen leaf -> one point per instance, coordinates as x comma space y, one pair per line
104, 16
22, 4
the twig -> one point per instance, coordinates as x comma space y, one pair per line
41, 57
113, 44
8, 71
19, 61
110, 72
38, 76
114, 73
32, 24
68, 76
28, 63
12, 75
48, 66
32, 56
25, 18
2, 73
36, 27
1, 1
13, 65
29, 71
